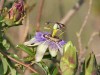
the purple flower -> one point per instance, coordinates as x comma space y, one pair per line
45, 41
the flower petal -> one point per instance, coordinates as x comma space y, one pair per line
30, 42
39, 36
53, 49
41, 49
62, 42
53, 52
37, 43
60, 48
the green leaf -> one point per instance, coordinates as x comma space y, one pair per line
13, 71
8, 22
28, 58
5, 66
14, 56
44, 67
18, 74
3, 49
41, 66
26, 49
1, 18
5, 63
55, 71
5, 44
1, 68
34, 74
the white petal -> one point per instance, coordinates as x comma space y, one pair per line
28, 43
53, 49
37, 43
60, 48
41, 49
53, 52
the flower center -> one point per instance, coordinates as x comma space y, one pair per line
55, 39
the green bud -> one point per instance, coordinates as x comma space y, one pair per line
90, 65
69, 61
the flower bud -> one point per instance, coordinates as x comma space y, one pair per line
69, 62
15, 13
90, 65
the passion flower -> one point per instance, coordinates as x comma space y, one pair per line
45, 41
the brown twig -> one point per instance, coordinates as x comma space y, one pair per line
39, 15
82, 28
27, 66
81, 52
71, 12
92, 37
19, 62
90, 41
1, 5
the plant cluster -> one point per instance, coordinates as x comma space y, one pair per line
47, 52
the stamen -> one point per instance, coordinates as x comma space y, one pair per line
55, 39
54, 32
